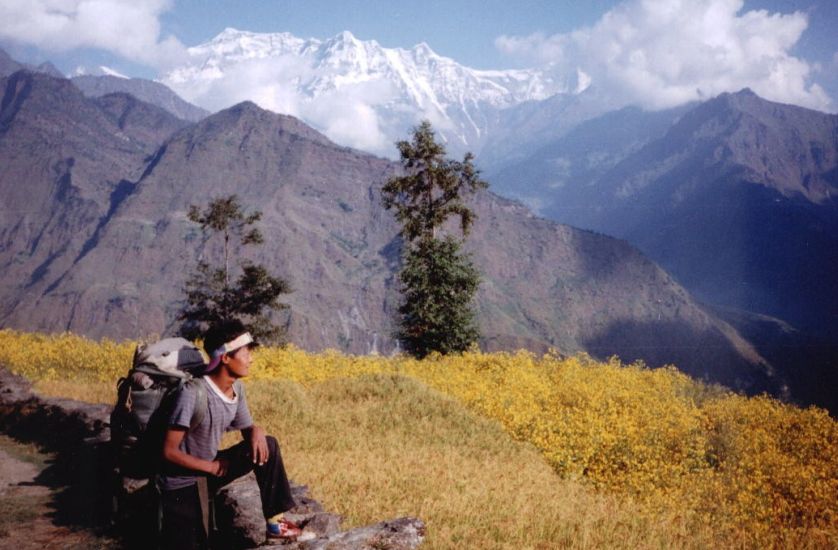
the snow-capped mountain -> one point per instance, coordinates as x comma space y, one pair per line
357, 92
101, 70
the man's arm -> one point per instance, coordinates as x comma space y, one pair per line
258, 443
172, 453
251, 433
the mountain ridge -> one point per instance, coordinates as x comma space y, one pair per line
741, 162
9, 66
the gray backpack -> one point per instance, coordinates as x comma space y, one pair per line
139, 420
145, 398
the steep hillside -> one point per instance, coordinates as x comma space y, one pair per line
141, 122
737, 199
65, 164
545, 285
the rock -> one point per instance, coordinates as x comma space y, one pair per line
310, 516
240, 522
398, 534
53, 422
239, 517
305, 504
13, 388
321, 524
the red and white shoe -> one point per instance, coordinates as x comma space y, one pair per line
283, 529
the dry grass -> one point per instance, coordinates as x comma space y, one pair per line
16, 509
382, 446
35, 512
25, 452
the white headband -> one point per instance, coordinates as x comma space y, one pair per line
232, 345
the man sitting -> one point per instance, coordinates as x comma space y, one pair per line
194, 468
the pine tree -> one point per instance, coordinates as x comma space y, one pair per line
211, 296
438, 279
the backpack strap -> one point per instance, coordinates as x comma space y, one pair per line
201, 404
204, 499
199, 412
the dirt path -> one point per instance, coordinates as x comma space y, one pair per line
27, 504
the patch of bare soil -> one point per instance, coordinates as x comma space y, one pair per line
29, 503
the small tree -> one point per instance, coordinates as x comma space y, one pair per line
439, 281
210, 294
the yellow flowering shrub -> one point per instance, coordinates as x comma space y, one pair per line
65, 356
756, 471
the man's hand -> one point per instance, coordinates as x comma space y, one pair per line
173, 454
258, 445
219, 467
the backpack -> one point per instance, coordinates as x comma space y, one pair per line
139, 420
145, 398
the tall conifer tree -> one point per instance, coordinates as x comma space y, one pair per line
438, 279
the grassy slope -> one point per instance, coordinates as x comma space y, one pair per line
381, 446
385, 445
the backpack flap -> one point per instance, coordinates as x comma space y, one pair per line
175, 357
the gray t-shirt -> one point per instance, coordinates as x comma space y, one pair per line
223, 414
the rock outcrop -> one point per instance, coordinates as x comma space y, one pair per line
400, 534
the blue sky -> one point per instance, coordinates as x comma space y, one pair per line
464, 30
138, 38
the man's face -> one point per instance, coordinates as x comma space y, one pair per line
238, 362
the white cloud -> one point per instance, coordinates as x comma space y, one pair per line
536, 204
266, 82
663, 53
348, 115
536, 47
130, 29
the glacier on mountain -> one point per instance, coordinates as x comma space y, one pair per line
357, 92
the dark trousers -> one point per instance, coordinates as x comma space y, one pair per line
183, 526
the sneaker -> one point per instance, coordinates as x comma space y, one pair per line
283, 529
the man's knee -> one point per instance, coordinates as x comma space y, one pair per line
273, 444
